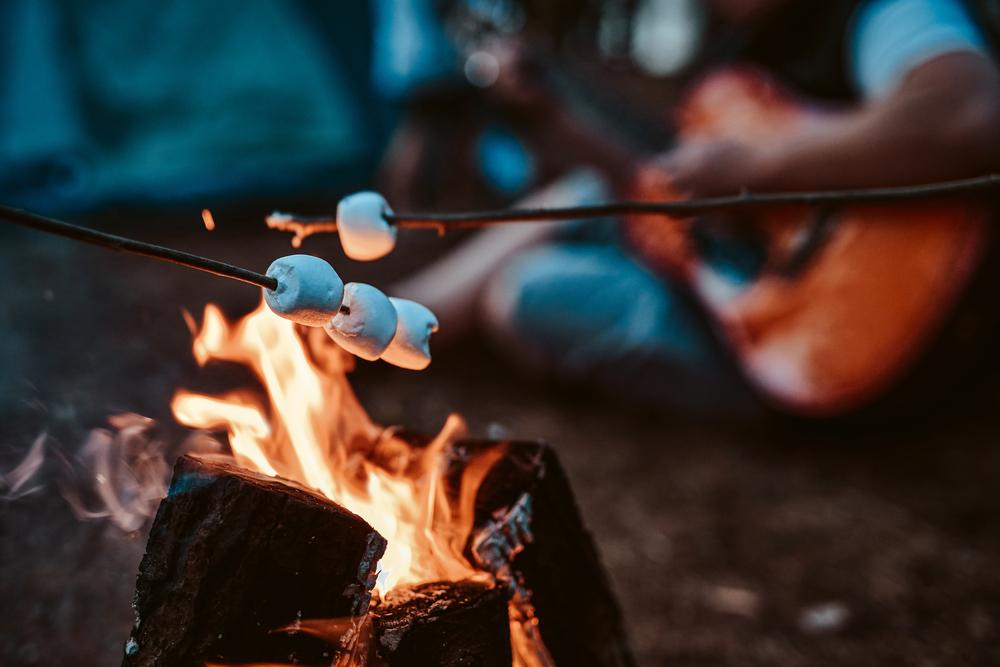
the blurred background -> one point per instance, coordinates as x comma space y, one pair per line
731, 536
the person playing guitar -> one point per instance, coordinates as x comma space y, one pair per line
826, 312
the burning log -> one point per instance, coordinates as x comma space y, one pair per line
445, 505
233, 555
530, 535
443, 623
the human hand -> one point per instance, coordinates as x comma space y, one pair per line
706, 169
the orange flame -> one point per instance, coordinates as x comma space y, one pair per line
315, 431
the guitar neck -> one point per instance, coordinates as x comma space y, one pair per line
575, 119
604, 112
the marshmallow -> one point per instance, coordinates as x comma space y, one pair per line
369, 327
364, 233
410, 347
309, 290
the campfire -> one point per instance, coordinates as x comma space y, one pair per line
333, 540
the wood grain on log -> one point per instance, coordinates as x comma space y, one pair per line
233, 555
446, 624
578, 617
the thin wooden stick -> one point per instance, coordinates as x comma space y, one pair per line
450, 221
26, 219
303, 226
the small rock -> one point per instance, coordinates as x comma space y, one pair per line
730, 600
496, 431
825, 617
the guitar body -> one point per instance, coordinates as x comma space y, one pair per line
846, 300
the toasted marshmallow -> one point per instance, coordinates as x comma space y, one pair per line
410, 347
364, 232
369, 327
309, 290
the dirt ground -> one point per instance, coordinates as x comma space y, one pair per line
771, 544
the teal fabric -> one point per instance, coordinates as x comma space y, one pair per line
115, 101
411, 47
891, 37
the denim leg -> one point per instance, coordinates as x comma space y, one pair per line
588, 311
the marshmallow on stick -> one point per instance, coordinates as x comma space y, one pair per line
366, 323
410, 347
364, 232
309, 290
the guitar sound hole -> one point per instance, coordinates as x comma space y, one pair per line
738, 255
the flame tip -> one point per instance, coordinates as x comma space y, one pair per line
317, 434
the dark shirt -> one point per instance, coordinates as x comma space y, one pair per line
804, 44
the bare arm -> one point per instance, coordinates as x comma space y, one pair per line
451, 286
941, 123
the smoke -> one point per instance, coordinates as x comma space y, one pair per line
12, 484
120, 473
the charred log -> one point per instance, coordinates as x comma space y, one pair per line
450, 624
526, 515
233, 555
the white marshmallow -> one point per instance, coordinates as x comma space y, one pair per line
369, 327
364, 233
410, 347
309, 290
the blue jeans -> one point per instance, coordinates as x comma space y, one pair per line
585, 310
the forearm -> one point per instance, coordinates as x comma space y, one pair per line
451, 287
942, 124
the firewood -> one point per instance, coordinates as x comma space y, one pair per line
232, 556
450, 624
525, 510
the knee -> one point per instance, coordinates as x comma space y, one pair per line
573, 307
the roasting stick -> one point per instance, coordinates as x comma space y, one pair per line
444, 222
301, 288
33, 221
449, 221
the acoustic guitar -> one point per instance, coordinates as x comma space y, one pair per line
825, 309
